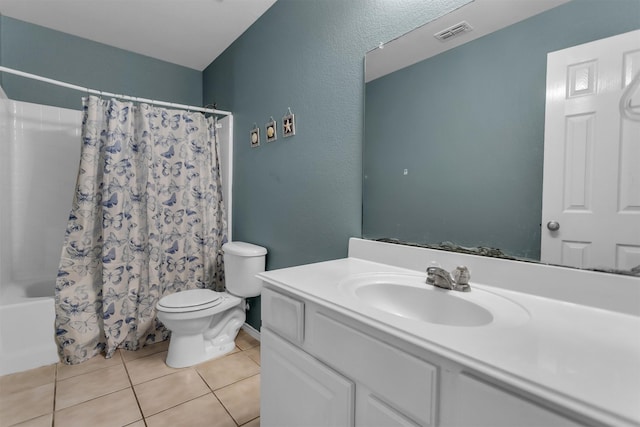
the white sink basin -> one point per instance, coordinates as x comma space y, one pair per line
408, 296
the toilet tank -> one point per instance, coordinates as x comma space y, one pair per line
242, 261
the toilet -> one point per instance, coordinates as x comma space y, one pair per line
205, 323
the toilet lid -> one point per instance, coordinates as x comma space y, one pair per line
191, 300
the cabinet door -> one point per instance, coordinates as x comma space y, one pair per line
480, 404
373, 412
407, 384
298, 391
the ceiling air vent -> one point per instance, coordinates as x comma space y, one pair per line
453, 31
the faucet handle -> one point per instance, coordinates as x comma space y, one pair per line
461, 275
431, 272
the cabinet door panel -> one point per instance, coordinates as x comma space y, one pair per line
297, 390
373, 412
481, 404
408, 383
283, 315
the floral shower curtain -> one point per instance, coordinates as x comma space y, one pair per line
147, 220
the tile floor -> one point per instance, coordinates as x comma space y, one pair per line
137, 389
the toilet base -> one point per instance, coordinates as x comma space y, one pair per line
219, 339
192, 350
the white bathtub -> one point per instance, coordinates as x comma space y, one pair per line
39, 155
27, 334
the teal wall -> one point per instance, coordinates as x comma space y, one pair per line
49, 53
301, 197
469, 126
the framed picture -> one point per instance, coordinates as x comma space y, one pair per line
288, 125
255, 137
271, 130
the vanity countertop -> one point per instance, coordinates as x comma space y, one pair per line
584, 358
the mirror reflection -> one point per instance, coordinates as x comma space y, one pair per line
454, 143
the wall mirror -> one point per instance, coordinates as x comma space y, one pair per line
454, 130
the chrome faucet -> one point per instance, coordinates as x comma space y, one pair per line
457, 281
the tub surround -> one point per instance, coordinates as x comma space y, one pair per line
33, 218
578, 351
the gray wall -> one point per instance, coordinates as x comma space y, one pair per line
300, 197
469, 126
38, 50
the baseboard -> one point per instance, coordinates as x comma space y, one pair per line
251, 331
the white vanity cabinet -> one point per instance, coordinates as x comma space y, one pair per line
321, 367
319, 371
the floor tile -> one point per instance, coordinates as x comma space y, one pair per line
254, 354
147, 350
148, 368
43, 421
81, 388
246, 341
227, 370
28, 379
93, 364
26, 404
115, 409
168, 391
252, 423
242, 399
205, 411
98, 392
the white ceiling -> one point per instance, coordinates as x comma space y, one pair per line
191, 33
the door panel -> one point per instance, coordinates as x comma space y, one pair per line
592, 152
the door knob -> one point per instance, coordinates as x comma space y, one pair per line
553, 225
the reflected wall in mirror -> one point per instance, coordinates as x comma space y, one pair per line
454, 144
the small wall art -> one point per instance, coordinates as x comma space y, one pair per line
255, 136
288, 124
271, 130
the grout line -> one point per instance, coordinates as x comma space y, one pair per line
133, 390
251, 420
55, 375
55, 393
84, 373
224, 407
97, 397
123, 361
235, 382
176, 405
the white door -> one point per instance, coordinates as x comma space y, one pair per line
591, 187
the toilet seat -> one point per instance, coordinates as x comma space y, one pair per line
190, 300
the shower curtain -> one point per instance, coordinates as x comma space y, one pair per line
147, 220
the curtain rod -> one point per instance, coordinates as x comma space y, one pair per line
114, 95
